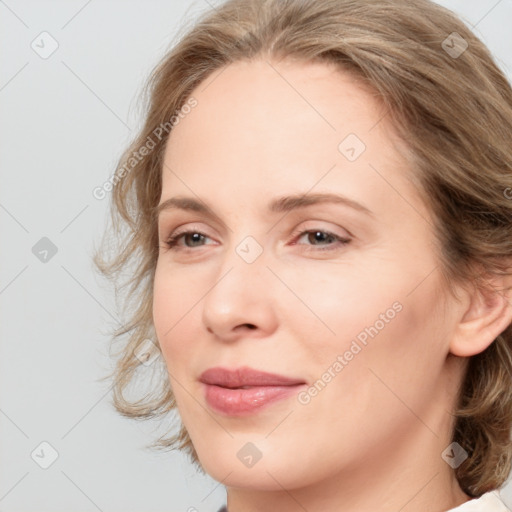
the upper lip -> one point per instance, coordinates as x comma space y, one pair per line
245, 376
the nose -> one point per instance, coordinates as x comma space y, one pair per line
241, 301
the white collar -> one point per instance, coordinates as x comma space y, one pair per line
489, 502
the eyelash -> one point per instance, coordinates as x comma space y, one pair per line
172, 242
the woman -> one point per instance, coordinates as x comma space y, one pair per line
320, 218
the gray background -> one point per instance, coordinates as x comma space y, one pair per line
65, 121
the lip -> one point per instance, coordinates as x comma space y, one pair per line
244, 390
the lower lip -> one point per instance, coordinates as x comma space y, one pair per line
238, 402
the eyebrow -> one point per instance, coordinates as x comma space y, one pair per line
282, 204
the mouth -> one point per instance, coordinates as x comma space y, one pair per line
245, 377
244, 391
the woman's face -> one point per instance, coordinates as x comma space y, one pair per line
344, 298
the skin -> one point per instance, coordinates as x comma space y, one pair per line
372, 438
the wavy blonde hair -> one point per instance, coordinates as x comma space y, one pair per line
454, 113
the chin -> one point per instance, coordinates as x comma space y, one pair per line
271, 472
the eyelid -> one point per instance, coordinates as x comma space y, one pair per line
182, 228
315, 224
192, 226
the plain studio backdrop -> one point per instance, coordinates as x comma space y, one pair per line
70, 75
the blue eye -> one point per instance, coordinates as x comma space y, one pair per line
172, 242
319, 235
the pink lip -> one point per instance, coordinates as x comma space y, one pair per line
224, 394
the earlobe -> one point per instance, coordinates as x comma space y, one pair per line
487, 315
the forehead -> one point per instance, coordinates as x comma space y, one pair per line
266, 125
276, 107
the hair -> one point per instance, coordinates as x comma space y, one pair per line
454, 113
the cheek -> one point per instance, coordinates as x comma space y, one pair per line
368, 394
393, 355
175, 310
380, 325
345, 304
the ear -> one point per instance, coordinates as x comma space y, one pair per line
486, 313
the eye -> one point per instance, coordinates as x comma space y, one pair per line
172, 242
322, 236
317, 237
